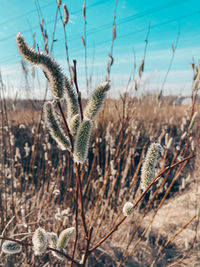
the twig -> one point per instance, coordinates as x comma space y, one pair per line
48, 248
139, 199
113, 37
76, 223
171, 62
85, 45
66, 46
77, 90
78, 180
87, 246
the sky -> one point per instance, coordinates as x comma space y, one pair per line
167, 21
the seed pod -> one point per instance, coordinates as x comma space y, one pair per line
82, 141
11, 247
84, 10
128, 209
114, 32
141, 68
111, 59
40, 241
83, 41
66, 14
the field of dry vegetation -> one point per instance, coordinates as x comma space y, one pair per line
42, 187
38, 184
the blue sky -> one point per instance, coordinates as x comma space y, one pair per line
132, 20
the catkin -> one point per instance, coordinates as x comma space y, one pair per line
96, 100
40, 241
148, 167
11, 247
128, 209
64, 237
82, 141
72, 99
54, 126
51, 69
66, 14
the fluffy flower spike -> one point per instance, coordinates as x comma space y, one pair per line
72, 99
96, 100
64, 238
40, 241
10, 247
149, 165
54, 126
82, 141
50, 67
128, 209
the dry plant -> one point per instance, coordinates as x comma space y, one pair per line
70, 191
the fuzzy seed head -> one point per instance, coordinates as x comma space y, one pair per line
52, 239
54, 126
40, 241
84, 9
51, 69
128, 209
96, 100
64, 237
192, 121
82, 141
10, 247
114, 32
74, 123
83, 40
66, 14
141, 68
148, 167
59, 2
72, 100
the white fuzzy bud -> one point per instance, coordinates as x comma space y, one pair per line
96, 100
148, 167
82, 141
40, 241
64, 237
51, 69
11, 247
128, 209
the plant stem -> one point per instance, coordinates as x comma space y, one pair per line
48, 248
77, 90
78, 180
138, 200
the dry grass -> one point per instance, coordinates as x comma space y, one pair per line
110, 178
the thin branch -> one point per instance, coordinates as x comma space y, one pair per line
77, 90
66, 46
171, 62
76, 224
138, 200
48, 248
78, 180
